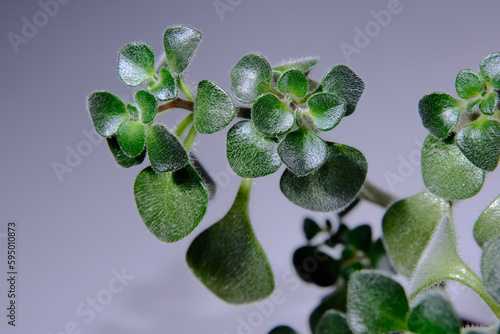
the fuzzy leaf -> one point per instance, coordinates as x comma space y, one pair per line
490, 69
293, 82
132, 111
165, 89
311, 229
472, 104
228, 259
335, 300
333, 322
439, 113
344, 83
180, 43
166, 153
469, 84
214, 108
375, 303
488, 224
107, 112
408, 226
326, 110
121, 158
303, 65
170, 204
147, 106
250, 78
271, 116
136, 63
480, 143
314, 266
249, 153
488, 104
131, 136
490, 267
447, 172
333, 186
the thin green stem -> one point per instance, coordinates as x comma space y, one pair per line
190, 138
374, 194
184, 87
183, 125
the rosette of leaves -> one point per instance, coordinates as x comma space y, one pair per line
466, 132
287, 111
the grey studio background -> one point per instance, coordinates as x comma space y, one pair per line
79, 230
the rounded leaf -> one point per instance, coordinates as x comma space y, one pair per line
490, 69
180, 44
480, 143
361, 237
282, 330
165, 89
214, 108
121, 158
136, 63
316, 267
490, 267
148, 106
131, 136
132, 111
469, 84
488, 224
336, 300
165, 152
344, 83
271, 116
333, 186
170, 204
333, 322
447, 172
249, 153
293, 82
439, 113
250, 78
489, 103
326, 110
303, 65
302, 151
311, 229
107, 112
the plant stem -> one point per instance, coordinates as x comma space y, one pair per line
190, 138
183, 86
176, 103
183, 125
373, 194
244, 191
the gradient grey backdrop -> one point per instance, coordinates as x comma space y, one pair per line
73, 233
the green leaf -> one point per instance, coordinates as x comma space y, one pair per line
165, 89
107, 112
375, 303
326, 110
131, 136
282, 330
132, 111
490, 267
481, 330
434, 314
314, 266
447, 172
147, 105
293, 82
361, 237
472, 104
271, 116
136, 63
121, 158
311, 229
249, 153
333, 322
214, 108
480, 143
490, 69
344, 83
166, 153
228, 259
333, 186
408, 226
469, 84
488, 224
303, 65
302, 151
440, 113
335, 300
180, 44
170, 204
488, 104
250, 78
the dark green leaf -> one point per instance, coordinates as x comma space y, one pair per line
490, 267
314, 266
344, 83
271, 116
311, 229
490, 69
303, 65
136, 63
282, 330
131, 136
250, 78
228, 258
469, 84
379, 258
147, 105
302, 151
293, 82
376, 303
333, 322
170, 204
434, 314
166, 153
165, 89
480, 143
214, 108
440, 113
408, 226
488, 104
333, 186
326, 110
361, 237
447, 172
249, 153
351, 268
335, 300
340, 236
488, 223
180, 44
107, 112
121, 158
